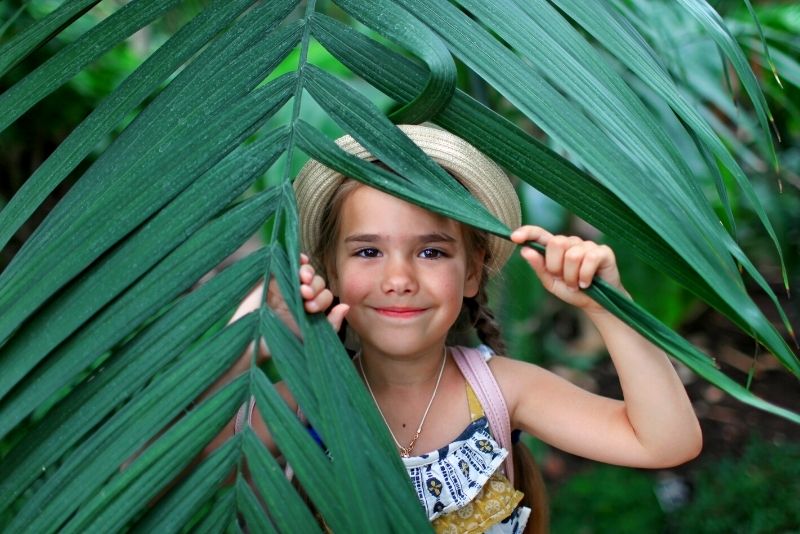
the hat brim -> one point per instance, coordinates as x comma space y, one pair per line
486, 181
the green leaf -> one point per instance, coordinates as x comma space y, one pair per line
322, 149
654, 330
342, 433
285, 507
324, 366
75, 56
175, 120
88, 467
507, 144
331, 377
524, 157
139, 483
312, 468
417, 172
234, 527
251, 510
570, 64
786, 64
397, 24
273, 329
622, 40
172, 275
663, 205
111, 111
37, 34
124, 373
392, 481
182, 217
70, 305
714, 25
11, 19
659, 204
177, 508
64, 252
221, 515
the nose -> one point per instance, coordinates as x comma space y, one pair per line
398, 277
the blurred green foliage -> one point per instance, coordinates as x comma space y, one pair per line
607, 499
757, 493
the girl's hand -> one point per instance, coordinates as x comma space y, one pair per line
569, 264
317, 297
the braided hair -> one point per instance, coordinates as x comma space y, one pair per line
482, 318
476, 316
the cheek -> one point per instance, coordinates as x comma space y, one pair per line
352, 287
449, 285
457, 300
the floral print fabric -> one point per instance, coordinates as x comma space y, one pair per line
495, 509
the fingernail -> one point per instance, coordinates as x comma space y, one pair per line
583, 285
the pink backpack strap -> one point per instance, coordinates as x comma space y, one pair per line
474, 367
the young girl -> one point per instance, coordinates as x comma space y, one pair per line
404, 276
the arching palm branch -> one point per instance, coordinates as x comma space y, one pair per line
95, 304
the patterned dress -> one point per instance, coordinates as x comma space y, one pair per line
462, 487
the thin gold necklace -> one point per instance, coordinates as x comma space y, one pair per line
405, 452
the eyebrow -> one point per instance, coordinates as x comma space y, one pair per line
436, 237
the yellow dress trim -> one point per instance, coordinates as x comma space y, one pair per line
475, 408
496, 501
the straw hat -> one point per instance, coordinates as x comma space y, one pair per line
315, 184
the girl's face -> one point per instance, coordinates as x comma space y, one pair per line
403, 270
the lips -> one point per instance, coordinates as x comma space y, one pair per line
400, 312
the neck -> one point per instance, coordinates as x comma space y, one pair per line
409, 370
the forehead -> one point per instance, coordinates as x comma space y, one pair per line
369, 210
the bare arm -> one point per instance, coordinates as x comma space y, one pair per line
653, 426
316, 298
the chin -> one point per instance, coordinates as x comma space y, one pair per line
397, 347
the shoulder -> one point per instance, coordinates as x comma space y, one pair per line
517, 378
507, 369
538, 400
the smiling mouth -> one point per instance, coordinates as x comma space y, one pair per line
402, 313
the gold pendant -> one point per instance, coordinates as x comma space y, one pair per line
405, 452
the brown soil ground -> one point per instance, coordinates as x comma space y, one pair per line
727, 423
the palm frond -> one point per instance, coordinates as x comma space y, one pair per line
103, 345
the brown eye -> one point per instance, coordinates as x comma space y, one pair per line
368, 252
432, 254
